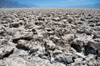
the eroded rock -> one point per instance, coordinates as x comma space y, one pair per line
49, 37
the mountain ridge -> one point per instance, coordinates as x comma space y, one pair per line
12, 4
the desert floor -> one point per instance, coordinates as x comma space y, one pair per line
50, 37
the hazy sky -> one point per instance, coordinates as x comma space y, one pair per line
58, 2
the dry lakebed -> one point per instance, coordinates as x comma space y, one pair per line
50, 37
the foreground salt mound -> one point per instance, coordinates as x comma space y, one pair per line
49, 37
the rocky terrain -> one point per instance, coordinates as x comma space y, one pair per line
50, 37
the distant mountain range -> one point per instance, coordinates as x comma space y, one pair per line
13, 4
97, 5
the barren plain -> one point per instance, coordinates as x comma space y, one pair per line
49, 37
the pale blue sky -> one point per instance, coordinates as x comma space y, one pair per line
58, 2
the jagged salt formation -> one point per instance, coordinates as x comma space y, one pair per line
49, 37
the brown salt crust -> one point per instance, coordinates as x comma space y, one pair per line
49, 37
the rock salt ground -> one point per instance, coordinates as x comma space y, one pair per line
49, 37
